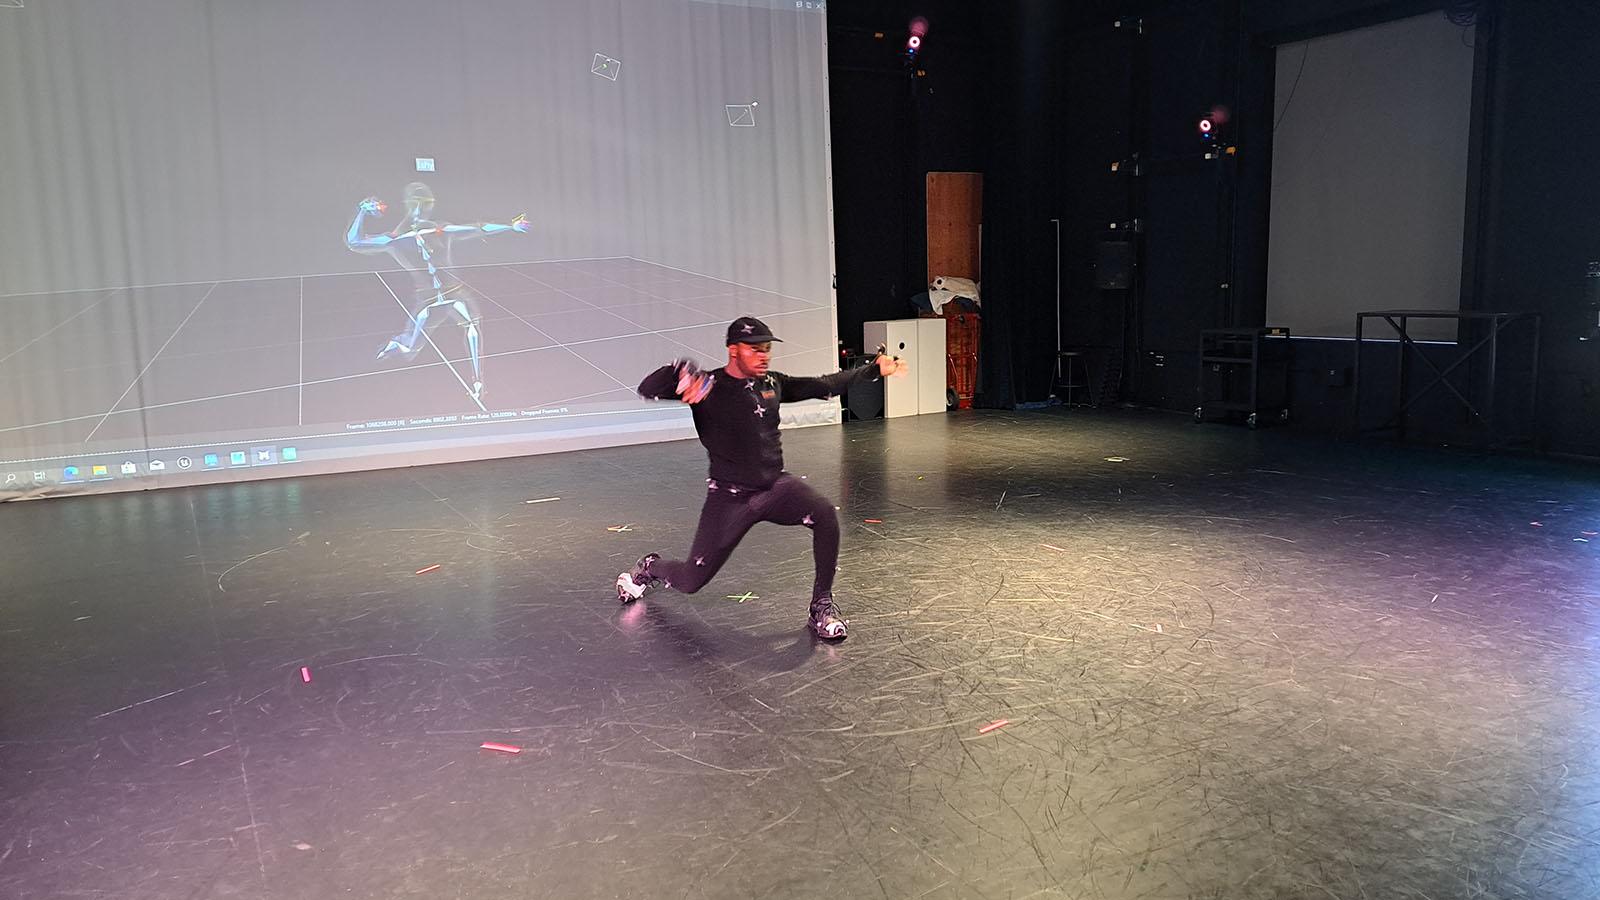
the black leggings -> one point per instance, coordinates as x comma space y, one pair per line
730, 511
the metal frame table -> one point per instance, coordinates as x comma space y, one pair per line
1498, 322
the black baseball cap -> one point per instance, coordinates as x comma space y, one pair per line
750, 330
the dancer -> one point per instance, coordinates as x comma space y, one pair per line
422, 246
736, 417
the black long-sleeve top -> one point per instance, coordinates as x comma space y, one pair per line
738, 421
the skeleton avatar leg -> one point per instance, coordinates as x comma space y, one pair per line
407, 343
473, 339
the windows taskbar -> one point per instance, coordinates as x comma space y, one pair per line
88, 471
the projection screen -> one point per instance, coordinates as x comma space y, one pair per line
1369, 176
260, 239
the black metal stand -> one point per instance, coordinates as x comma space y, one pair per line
1489, 346
1259, 356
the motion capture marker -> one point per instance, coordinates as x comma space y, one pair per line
618, 529
744, 596
499, 748
545, 500
997, 723
432, 568
606, 67
741, 115
1537, 524
305, 674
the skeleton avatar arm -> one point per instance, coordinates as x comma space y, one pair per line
485, 229
370, 243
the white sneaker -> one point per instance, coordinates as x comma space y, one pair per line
627, 589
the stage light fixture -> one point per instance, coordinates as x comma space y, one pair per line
917, 31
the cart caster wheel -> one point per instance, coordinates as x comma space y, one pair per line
1199, 414
1251, 421
951, 401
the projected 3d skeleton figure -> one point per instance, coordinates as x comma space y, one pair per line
736, 417
422, 246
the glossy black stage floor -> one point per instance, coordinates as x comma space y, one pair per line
1230, 664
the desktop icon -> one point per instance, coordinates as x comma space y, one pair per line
39, 477
185, 462
264, 456
211, 461
11, 478
238, 458
99, 471
288, 454
70, 473
157, 465
129, 468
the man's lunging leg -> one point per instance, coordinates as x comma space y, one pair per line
724, 520
728, 514
791, 501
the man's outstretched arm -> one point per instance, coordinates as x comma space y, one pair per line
825, 386
679, 379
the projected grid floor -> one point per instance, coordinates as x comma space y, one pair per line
151, 364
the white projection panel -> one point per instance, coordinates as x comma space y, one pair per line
1369, 176
271, 238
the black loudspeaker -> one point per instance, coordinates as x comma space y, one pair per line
1113, 265
864, 399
